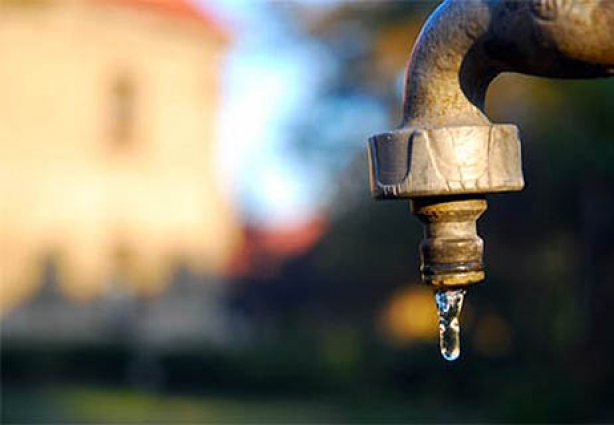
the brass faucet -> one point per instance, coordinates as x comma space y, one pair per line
447, 155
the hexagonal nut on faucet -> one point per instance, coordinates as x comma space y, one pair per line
412, 162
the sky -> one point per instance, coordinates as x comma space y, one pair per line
260, 96
273, 75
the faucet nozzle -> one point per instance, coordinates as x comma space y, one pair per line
451, 253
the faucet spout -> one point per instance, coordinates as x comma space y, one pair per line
451, 252
447, 155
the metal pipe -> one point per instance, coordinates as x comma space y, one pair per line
465, 44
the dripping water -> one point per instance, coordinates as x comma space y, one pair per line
449, 305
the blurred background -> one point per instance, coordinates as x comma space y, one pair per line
186, 232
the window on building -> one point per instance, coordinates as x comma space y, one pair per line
123, 110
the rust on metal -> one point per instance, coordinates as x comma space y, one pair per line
451, 252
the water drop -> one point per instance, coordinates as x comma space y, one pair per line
449, 305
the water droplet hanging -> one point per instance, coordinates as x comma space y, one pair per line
449, 306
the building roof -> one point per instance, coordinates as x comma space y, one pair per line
265, 250
182, 9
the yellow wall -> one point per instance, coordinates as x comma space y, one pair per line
68, 188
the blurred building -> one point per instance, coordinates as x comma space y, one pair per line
107, 148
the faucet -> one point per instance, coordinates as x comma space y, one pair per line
446, 155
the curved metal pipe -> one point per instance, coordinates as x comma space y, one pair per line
465, 44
